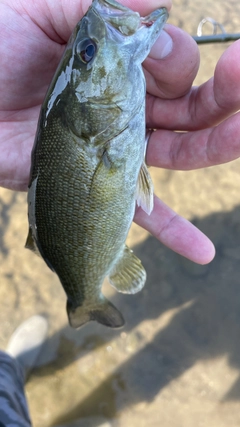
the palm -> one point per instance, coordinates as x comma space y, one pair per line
33, 36
29, 55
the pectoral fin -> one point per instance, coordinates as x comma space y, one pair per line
144, 190
128, 275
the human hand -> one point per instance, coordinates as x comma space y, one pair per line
211, 130
33, 39
33, 36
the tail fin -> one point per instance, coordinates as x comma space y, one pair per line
103, 312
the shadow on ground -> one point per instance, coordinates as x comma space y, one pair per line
207, 326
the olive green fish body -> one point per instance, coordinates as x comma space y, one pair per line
88, 164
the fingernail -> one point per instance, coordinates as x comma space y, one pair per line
162, 47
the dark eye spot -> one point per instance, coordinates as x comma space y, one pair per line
86, 49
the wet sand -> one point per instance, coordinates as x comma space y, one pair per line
177, 360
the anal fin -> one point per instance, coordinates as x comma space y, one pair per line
128, 275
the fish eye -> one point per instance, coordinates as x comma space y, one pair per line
86, 50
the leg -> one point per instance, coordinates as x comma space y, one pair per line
13, 404
15, 365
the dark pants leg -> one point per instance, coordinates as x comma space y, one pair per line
13, 404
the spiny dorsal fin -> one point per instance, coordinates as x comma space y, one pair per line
144, 190
128, 275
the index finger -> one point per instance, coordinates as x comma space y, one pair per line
202, 106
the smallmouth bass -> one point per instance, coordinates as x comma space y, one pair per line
88, 168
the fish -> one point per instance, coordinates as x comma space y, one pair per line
87, 164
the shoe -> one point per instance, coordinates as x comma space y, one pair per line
26, 342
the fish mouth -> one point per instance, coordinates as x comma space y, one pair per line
149, 20
125, 20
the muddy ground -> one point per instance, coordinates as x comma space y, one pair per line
176, 363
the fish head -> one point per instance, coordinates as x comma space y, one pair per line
101, 68
111, 41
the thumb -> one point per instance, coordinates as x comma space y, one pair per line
172, 64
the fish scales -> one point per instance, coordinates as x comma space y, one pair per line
88, 166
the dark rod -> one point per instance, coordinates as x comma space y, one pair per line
217, 38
